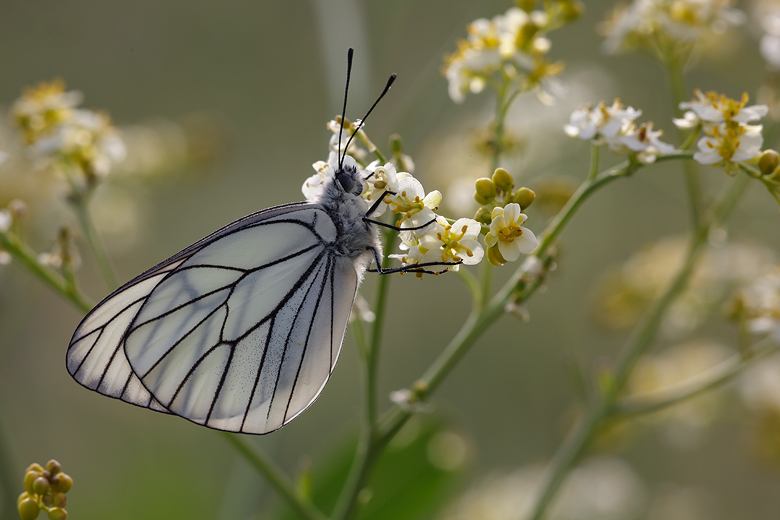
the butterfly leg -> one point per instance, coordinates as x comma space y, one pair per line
413, 268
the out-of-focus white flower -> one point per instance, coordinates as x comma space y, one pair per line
712, 107
87, 140
759, 385
361, 310
729, 144
652, 23
615, 126
5, 220
508, 234
683, 423
728, 139
455, 242
624, 295
313, 185
602, 488
44, 107
760, 303
768, 15
510, 46
407, 401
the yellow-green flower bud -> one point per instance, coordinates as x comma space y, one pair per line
24, 495
572, 10
47, 500
57, 513
396, 144
40, 486
34, 466
28, 509
485, 188
483, 216
53, 466
494, 256
768, 162
524, 197
63, 483
59, 499
29, 478
482, 200
503, 180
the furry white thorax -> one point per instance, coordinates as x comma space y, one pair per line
347, 209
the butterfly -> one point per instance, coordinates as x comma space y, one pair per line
241, 330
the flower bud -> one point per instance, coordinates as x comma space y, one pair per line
47, 500
483, 216
768, 162
40, 486
59, 500
503, 180
63, 483
34, 466
53, 466
28, 509
480, 199
29, 478
396, 144
494, 256
485, 188
57, 513
524, 197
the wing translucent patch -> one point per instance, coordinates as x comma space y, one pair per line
239, 332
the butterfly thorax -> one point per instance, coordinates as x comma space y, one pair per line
355, 236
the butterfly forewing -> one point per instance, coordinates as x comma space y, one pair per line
239, 332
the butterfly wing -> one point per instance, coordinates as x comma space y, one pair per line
238, 332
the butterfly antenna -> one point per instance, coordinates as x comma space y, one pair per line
350, 52
390, 81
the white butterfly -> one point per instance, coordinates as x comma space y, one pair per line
241, 330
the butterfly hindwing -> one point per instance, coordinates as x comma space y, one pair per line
238, 332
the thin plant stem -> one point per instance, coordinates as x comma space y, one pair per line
578, 441
95, 244
27, 257
274, 475
594, 161
674, 70
713, 378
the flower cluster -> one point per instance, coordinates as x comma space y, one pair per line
661, 25
615, 126
44, 489
70, 137
625, 293
509, 48
728, 139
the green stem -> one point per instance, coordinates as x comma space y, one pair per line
594, 161
701, 383
367, 449
479, 321
27, 257
95, 244
577, 442
274, 475
674, 70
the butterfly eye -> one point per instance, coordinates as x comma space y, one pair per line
346, 181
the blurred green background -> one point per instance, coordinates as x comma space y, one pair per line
269, 75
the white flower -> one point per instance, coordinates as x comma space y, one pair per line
761, 304
5, 220
379, 180
411, 204
506, 232
589, 123
313, 185
714, 108
455, 242
44, 107
644, 142
726, 145
88, 140
346, 137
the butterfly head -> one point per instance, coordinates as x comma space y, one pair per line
348, 176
